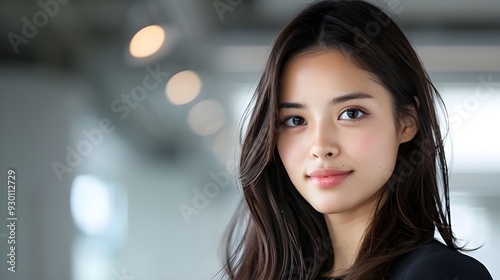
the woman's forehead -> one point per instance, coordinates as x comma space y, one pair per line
322, 72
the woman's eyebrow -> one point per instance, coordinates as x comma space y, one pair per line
350, 96
336, 100
290, 105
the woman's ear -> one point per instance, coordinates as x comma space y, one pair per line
409, 125
417, 101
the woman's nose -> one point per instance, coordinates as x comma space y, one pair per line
324, 141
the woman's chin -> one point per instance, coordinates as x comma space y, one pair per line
327, 208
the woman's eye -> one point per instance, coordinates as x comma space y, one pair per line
294, 121
351, 114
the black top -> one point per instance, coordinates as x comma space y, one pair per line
435, 261
438, 262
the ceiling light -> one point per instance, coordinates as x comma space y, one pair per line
206, 117
183, 87
147, 41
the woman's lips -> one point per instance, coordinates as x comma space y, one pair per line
327, 178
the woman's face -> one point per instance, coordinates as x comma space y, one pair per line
338, 141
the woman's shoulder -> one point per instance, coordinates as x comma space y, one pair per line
438, 262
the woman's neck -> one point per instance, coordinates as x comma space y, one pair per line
346, 233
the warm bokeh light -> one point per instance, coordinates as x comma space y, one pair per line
147, 41
183, 87
206, 117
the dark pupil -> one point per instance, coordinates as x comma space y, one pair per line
297, 121
352, 114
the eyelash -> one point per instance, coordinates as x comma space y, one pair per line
287, 118
350, 108
355, 108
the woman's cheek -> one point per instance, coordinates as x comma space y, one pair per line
362, 144
377, 147
287, 149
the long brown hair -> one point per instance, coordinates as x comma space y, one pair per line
282, 236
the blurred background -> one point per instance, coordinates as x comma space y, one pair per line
120, 119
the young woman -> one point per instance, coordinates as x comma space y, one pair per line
342, 166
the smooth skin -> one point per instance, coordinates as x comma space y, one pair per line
337, 116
